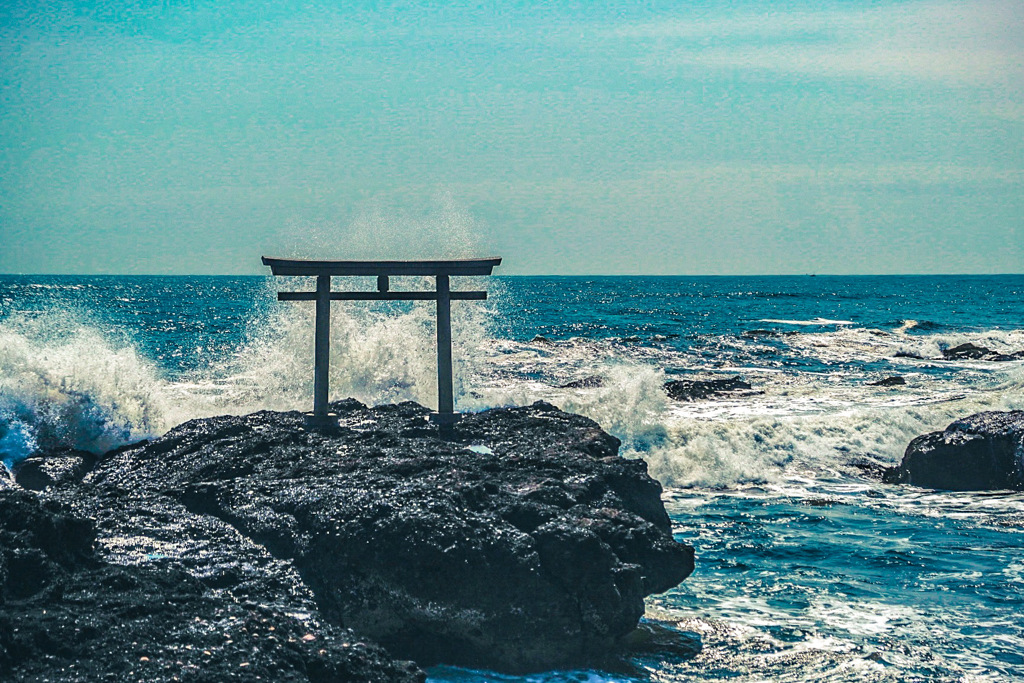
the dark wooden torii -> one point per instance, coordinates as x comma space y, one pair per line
383, 270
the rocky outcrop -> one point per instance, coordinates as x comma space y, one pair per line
982, 452
698, 389
522, 541
67, 613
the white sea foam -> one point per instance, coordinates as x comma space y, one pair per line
63, 384
735, 449
812, 321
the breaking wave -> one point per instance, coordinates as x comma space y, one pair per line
66, 385
69, 383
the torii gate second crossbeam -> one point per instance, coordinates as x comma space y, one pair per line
383, 270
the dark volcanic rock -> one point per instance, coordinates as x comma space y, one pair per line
982, 452
971, 351
39, 472
67, 614
533, 550
696, 389
966, 351
894, 381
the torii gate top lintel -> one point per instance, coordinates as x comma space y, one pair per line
476, 266
442, 294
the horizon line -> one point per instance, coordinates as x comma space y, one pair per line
548, 275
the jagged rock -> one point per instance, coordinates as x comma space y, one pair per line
984, 451
533, 549
696, 389
69, 614
894, 381
907, 354
591, 382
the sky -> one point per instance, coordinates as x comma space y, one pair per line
695, 138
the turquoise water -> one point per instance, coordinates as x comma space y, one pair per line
807, 567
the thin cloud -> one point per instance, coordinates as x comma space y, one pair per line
965, 43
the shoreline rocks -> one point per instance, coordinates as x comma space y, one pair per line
68, 613
984, 451
520, 543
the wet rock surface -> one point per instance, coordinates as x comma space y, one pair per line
971, 351
67, 613
590, 382
984, 451
40, 472
894, 381
530, 550
699, 389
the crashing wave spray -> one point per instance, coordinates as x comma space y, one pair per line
65, 385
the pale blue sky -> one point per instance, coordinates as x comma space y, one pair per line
676, 138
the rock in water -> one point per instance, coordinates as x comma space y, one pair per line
894, 381
591, 382
982, 452
971, 351
696, 389
533, 549
966, 351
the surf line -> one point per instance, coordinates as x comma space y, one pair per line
441, 271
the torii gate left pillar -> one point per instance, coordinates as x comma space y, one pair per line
383, 270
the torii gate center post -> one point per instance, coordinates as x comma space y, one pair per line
383, 270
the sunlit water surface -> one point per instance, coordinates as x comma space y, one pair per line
808, 568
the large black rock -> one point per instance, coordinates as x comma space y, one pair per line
522, 541
69, 614
984, 451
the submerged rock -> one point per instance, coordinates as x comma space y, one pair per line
894, 381
984, 451
759, 332
521, 542
696, 389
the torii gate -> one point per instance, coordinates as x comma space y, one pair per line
442, 294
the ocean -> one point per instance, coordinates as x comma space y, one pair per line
808, 568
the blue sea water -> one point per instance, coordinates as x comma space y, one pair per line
808, 568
